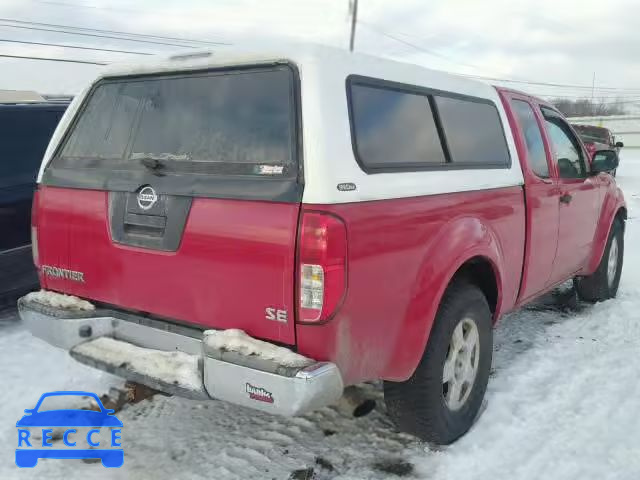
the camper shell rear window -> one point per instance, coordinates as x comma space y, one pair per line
185, 133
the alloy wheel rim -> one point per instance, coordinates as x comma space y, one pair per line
461, 365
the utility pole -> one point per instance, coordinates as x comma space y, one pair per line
593, 88
354, 20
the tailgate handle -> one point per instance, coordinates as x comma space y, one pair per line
148, 225
155, 221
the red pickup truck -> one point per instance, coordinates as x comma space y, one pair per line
597, 138
268, 228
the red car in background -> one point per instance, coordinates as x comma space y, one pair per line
597, 138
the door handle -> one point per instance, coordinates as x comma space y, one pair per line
566, 199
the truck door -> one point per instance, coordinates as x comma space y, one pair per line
540, 192
578, 197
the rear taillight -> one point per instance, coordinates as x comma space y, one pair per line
34, 229
322, 266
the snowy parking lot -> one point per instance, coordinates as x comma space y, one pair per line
563, 403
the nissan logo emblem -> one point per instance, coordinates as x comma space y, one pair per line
147, 198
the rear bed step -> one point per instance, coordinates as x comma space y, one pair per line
176, 373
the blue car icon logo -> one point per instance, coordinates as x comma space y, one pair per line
31, 449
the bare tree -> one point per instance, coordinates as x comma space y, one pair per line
584, 107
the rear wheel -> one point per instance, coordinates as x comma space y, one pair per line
441, 399
603, 283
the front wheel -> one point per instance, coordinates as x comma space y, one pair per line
603, 283
440, 401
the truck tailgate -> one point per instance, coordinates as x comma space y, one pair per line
235, 259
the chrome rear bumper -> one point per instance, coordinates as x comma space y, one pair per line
137, 348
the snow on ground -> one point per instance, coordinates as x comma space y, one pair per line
563, 403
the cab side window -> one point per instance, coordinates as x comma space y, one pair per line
536, 156
566, 148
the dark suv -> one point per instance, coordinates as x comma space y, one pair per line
25, 130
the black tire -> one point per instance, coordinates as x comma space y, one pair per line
417, 405
597, 287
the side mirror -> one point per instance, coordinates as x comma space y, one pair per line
604, 161
619, 144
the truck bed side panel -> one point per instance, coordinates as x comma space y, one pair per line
402, 254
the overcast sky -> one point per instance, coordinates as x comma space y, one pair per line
557, 41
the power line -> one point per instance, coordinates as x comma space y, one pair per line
586, 96
565, 93
6, 40
384, 33
51, 59
94, 35
117, 32
549, 84
601, 95
623, 102
620, 102
92, 7
506, 80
